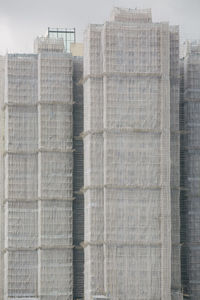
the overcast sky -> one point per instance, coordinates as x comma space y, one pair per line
22, 20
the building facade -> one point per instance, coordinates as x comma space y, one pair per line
78, 180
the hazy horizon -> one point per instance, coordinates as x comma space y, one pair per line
23, 20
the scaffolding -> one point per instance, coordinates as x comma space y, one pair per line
131, 84
37, 192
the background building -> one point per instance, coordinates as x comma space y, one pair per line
190, 170
131, 158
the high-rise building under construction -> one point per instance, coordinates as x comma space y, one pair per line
131, 158
37, 174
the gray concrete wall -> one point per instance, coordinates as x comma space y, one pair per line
191, 175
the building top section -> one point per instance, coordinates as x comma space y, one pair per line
131, 15
190, 49
67, 34
194, 47
45, 44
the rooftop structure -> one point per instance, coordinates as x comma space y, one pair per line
68, 36
76, 49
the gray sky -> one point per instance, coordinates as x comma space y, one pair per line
22, 20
